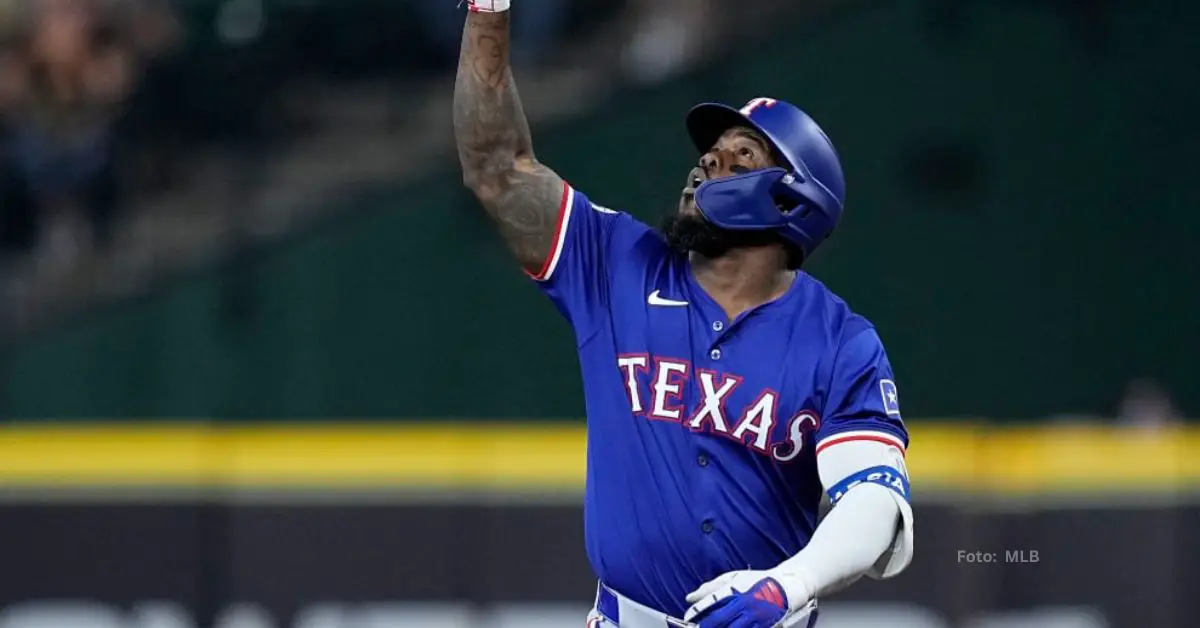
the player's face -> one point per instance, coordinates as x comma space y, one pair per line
737, 151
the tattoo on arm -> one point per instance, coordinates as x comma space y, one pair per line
494, 147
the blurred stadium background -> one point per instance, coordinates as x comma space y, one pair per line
265, 366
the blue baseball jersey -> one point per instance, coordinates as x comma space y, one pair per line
702, 431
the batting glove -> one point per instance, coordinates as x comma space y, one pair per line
739, 599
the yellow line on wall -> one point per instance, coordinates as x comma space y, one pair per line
546, 457
483, 455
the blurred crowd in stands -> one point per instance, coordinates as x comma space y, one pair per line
68, 69
100, 98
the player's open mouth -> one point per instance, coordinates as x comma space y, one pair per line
689, 200
694, 180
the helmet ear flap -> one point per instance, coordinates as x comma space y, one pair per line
789, 193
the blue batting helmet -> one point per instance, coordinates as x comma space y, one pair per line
801, 201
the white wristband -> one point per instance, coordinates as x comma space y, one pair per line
487, 6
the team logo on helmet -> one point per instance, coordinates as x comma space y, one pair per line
756, 103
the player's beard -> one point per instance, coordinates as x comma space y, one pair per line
693, 233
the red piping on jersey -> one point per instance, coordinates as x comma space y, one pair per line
894, 442
558, 235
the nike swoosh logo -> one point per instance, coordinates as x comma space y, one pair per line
655, 299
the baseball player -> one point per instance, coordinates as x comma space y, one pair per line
726, 390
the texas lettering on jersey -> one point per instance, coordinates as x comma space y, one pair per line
754, 426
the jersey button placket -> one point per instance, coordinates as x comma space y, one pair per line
703, 458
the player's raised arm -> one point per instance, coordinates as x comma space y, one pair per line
521, 196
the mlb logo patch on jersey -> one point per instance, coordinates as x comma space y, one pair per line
891, 399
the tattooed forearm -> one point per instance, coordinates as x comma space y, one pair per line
494, 145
